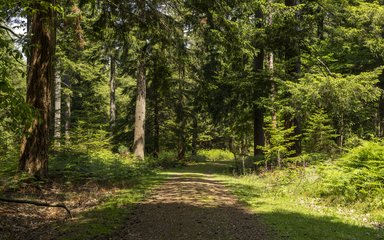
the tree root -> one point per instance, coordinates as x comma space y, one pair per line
36, 203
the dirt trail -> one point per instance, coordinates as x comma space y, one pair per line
191, 207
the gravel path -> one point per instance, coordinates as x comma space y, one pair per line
196, 207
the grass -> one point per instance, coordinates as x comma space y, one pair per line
276, 200
300, 218
294, 217
131, 180
111, 214
119, 184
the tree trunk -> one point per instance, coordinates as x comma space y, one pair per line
156, 126
258, 112
380, 117
139, 137
112, 94
194, 134
270, 66
180, 119
57, 116
156, 110
68, 111
34, 146
293, 69
258, 132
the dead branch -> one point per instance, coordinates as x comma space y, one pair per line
36, 203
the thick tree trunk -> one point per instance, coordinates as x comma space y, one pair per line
57, 116
34, 147
112, 94
139, 137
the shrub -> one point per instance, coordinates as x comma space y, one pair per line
215, 155
165, 159
356, 177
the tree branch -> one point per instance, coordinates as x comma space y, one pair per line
36, 203
10, 31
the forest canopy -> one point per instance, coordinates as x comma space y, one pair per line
289, 93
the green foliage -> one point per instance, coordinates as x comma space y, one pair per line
355, 178
166, 159
213, 155
216, 155
73, 166
14, 112
278, 145
348, 100
319, 135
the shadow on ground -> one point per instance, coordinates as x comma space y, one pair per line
81, 181
188, 222
191, 205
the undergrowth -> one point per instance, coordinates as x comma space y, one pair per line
348, 189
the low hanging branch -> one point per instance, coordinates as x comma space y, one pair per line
36, 203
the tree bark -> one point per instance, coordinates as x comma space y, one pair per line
57, 115
270, 66
112, 94
195, 134
156, 110
180, 119
156, 126
258, 112
68, 110
139, 137
34, 146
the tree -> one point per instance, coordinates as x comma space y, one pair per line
34, 147
319, 135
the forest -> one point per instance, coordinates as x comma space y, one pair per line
192, 119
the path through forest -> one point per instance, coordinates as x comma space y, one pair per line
191, 206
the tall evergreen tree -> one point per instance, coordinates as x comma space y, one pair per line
34, 147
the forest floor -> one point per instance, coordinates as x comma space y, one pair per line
191, 206
200, 201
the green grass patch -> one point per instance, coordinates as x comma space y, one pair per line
212, 155
284, 202
111, 214
298, 217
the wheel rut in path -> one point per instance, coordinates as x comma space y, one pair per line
191, 207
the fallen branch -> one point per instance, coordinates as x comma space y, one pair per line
36, 203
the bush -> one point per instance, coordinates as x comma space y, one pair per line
165, 159
101, 165
214, 155
357, 176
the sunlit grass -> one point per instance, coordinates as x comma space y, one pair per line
301, 218
291, 216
